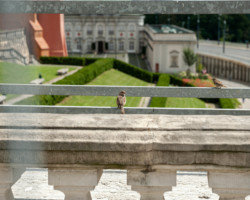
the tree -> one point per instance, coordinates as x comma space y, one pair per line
189, 58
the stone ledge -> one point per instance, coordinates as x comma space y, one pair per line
135, 140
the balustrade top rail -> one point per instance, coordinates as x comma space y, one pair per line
139, 91
126, 6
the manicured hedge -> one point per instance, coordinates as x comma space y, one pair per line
156, 76
164, 80
224, 103
229, 103
78, 61
133, 71
81, 77
88, 73
178, 81
89, 61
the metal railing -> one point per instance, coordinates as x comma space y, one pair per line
147, 91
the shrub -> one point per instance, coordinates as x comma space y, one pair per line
164, 80
229, 103
63, 60
133, 71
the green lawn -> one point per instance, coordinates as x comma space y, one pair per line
111, 77
14, 73
174, 102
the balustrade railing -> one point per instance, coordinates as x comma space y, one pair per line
147, 91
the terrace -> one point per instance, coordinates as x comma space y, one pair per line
77, 143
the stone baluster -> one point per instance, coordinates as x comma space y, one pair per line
8, 176
76, 184
230, 185
151, 183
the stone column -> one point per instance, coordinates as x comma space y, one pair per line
76, 184
151, 183
230, 185
8, 176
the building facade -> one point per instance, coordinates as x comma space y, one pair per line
162, 45
103, 33
165, 45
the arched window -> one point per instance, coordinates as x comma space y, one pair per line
89, 30
111, 30
121, 27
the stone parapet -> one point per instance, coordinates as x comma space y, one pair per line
76, 148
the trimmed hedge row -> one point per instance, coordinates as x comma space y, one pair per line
164, 80
133, 71
88, 73
99, 65
229, 103
89, 61
224, 103
81, 77
78, 61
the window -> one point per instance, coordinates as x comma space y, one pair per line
100, 30
89, 30
111, 30
79, 45
121, 45
111, 46
174, 55
68, 42
131, 45
89, 45
121, 27
131, 28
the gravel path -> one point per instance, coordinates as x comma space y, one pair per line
33, 185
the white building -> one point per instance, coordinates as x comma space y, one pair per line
103, 33
163, 45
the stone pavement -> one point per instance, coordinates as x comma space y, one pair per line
113, 186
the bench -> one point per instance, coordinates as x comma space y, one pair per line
2, 98
62, 71
37, 81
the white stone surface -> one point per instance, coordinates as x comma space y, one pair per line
113, 186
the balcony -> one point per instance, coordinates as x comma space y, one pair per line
152, 144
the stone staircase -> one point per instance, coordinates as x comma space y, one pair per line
13, 46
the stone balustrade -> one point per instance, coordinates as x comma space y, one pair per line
76, 148
225, 67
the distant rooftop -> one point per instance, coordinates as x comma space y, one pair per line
171, 29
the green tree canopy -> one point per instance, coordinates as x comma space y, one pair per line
189, 56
